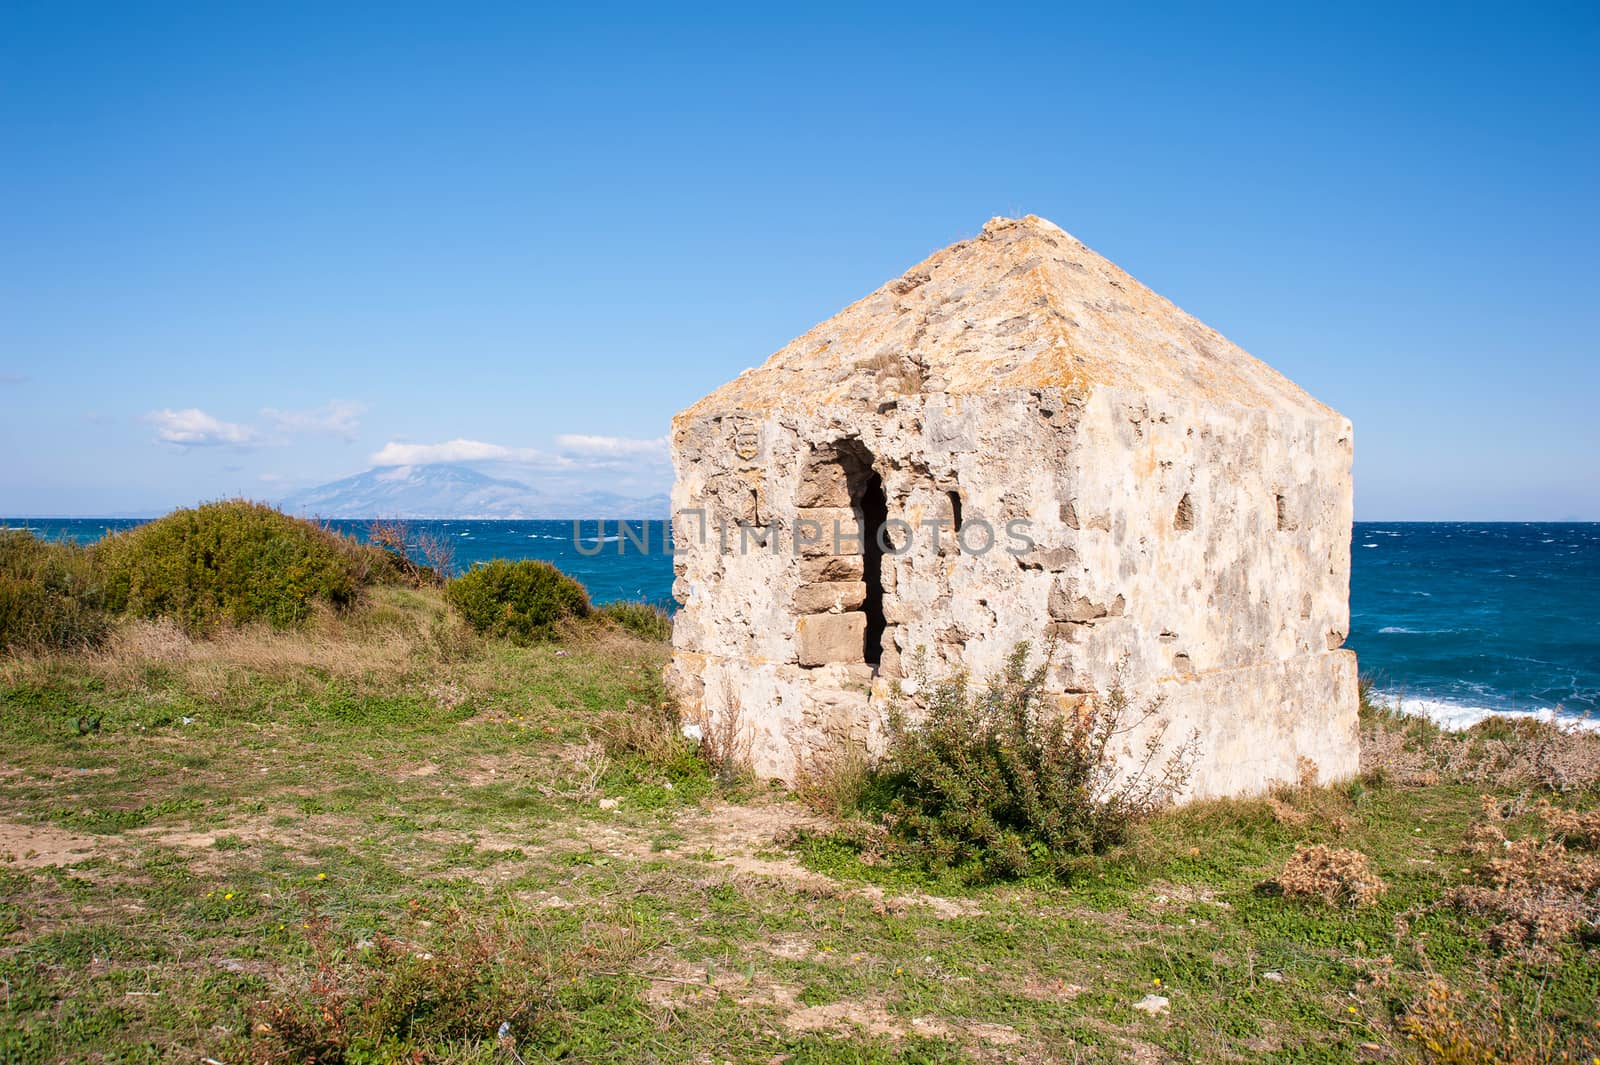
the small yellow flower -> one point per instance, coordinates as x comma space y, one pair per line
280, 928
1157, 981
897, 972
1352, 1009
229, 895
322, 876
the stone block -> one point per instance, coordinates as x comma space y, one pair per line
829, 597
1052, 559
831, 568
823, 485
1063, 591
828, 531
889, 663
825, 639
1066, 604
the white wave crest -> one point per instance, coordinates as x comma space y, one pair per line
1458, 717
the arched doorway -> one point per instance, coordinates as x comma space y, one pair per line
848, 586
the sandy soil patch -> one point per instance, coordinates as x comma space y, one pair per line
36, 846
743, 839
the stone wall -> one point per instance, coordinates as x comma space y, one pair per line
1203, 546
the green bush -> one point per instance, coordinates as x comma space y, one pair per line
645, 620
996, 785
233, 562
49, 597
523, 602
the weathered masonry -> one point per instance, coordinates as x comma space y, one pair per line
1012, 441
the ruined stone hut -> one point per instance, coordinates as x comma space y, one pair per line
1016, 440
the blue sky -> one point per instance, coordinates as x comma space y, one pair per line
250, 248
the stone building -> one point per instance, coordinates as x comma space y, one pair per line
1015, 440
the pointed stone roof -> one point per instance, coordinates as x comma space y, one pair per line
1022, 305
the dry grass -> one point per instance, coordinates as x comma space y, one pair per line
1332, 874
1500, 752
1539, 891
449, 979
1306, 802
831, 782
1578, 830
1448, 1027
400, 634
725, 743
524, 862
648, 733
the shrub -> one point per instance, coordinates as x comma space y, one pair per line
480, 985
1577, 829
232, 562
1539, 890
645, 620
1332, 874
49, 597
999, 785
523, 602
1449, 1026
1503, 752
420, 556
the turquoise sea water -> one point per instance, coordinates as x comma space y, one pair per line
1456, 619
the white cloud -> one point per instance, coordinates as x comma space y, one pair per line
580, 456
398, 454
609, 446
337, 418
193, 427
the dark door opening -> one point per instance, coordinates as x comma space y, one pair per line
871, 508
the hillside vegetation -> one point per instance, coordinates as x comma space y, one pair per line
50, 596
231, 563
372, 833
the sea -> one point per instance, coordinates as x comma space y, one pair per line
1454, 620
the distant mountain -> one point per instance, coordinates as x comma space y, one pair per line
455, 491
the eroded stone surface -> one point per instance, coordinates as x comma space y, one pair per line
1060, 452
831, 638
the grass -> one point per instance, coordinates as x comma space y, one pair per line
382, 837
